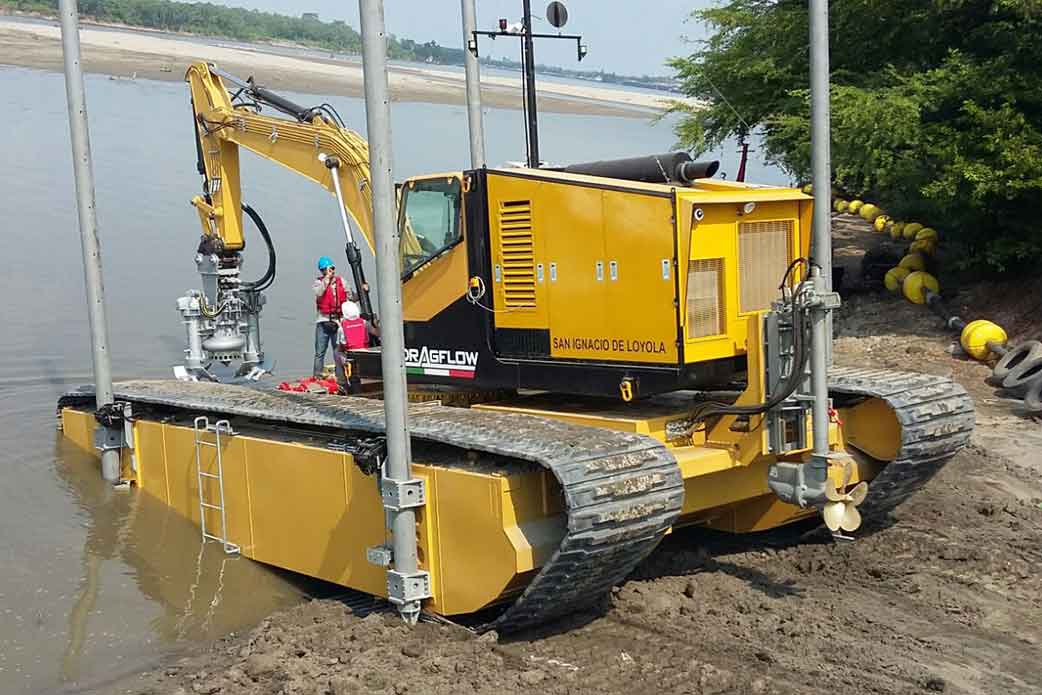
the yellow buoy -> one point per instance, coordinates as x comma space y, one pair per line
895, 277
911, 230
915, 283
926, 233
881, 222
976, 336
869, 212
913, 262
926, 246
897, 230
840, 205
808, 189
854, 206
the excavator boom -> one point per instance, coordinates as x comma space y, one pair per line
222, 321
226, 121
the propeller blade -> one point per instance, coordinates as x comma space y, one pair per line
848, 473
851, 518
834, 513
858, 494
831, 493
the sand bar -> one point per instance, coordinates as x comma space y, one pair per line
151, 55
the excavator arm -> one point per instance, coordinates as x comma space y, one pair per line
314, 144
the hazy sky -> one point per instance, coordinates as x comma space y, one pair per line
625, 36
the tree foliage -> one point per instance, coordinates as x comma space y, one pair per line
936, 107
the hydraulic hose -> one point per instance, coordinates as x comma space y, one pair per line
785, 389
268, 278
208, 311
279, 102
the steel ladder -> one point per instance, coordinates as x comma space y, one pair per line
221, 427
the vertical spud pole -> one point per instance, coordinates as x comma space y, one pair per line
473, 71
405, 584
83, 171
531, 105
821, 244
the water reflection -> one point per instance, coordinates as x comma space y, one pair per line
107, 509
201, 592
81, 611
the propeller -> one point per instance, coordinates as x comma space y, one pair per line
840, 511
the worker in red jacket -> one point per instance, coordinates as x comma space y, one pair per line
353, 334
330, 294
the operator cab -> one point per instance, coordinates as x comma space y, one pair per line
429, 220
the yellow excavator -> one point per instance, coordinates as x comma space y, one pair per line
598, 354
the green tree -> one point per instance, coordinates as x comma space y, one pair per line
936, 107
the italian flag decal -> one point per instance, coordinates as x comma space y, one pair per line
457, 364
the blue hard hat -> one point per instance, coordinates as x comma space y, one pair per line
325, 262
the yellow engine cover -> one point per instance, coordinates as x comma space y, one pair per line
621, 271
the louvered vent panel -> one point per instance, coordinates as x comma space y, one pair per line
764, 252
517, 253
705, 298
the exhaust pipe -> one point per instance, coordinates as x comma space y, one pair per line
687, 172
671, 167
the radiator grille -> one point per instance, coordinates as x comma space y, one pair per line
705, 305
517, 253
764, 252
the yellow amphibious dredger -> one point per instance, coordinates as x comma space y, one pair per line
600, 353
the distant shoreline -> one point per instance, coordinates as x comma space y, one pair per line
147, 54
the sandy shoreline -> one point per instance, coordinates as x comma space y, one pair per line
126, 53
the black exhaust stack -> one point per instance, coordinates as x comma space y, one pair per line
672, 167
687, 172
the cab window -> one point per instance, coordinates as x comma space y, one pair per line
430, 222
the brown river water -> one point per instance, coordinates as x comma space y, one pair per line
97, 583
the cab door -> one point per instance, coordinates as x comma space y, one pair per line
433, 253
